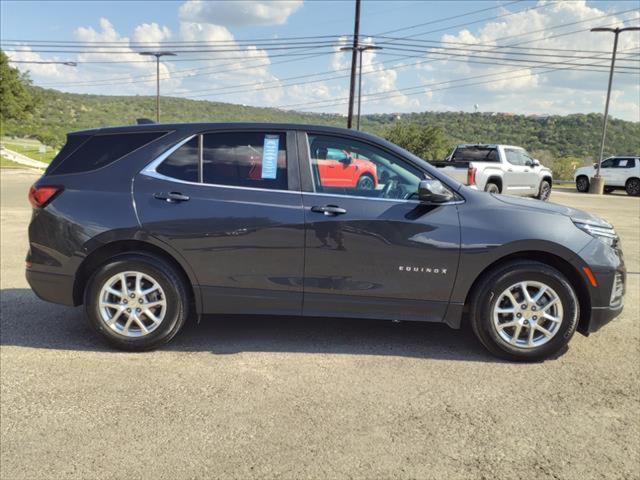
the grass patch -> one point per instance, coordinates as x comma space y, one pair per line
6, 163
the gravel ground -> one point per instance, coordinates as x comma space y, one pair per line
295, 398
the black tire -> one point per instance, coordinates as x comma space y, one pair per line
175, 290
633, 187
491, 187
582, 183
488, 291
544, 192
366, 182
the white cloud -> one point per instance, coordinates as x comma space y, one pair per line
238, 13
519, 88
151, 33
246, 75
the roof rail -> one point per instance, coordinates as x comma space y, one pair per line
144, 121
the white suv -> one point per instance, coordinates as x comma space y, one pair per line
618, 173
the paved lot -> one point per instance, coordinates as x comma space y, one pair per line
274, 398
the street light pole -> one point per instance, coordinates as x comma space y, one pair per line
597, 182
158, 55
360, 49
68, 64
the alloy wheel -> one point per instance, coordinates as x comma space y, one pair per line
545, 191
365, 183
582, 184
132, 304
633, 187
527, 314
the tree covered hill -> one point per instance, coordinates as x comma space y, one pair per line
575, 135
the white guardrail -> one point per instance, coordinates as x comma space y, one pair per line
22, 159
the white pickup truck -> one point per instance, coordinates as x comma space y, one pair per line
498, 169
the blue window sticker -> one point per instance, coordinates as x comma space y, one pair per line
270, 156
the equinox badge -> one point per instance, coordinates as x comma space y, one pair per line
407, 268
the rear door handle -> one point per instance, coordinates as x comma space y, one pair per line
329, 210
171, 197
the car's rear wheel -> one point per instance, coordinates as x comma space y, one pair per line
544, 192
524, 311
136, 302
633, 187
491, 188
582, 183
366, 182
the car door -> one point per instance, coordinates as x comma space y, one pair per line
517, 179
229, 203
621, 171
608, 171
375, 253
531, 171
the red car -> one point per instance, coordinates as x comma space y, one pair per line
339, 168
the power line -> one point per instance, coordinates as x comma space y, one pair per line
334, 102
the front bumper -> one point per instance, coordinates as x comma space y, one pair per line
600, 316
51, 287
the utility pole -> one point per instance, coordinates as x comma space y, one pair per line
597, 182
158, 55
354, 53
360, 49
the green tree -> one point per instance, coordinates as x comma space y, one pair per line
17, 102
427, 142
564, 167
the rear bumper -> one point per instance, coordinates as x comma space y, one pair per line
51, 287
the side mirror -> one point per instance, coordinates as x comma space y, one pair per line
595, 165
432, 191
536, 162
347, 159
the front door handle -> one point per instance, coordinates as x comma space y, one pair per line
171, 197
329, 210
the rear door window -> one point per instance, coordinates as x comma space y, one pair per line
182, 164
245, 159
102, 150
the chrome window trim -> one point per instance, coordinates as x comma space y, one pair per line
395, 200
151, 166
151, 171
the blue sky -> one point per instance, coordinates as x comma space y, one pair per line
394, 81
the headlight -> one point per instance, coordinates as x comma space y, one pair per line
604, 234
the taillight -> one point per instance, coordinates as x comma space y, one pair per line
471, 176
40, 196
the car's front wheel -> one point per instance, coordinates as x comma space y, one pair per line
582, 183
524, 311
136, 301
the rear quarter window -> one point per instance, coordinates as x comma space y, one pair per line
475, 154
98, 151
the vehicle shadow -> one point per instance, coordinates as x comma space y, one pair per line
27, 321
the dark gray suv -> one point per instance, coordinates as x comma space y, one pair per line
146, 225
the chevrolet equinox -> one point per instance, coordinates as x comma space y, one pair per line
148, 224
